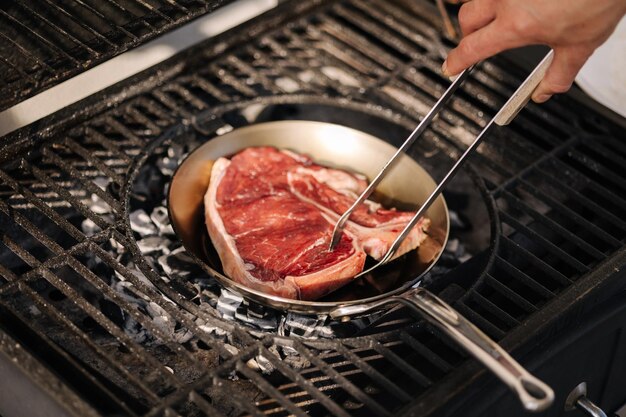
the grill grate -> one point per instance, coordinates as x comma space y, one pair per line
553, 177
45, 42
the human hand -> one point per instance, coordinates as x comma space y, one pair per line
573, 28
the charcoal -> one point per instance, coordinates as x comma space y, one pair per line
457, 222
162, 320
116, 247
256, 310
98, 205
202, 325
161, 220
153, 244
102, 182
177, 263
140, 222
168, 164
112, 311
135, 330
128, 292
453, 246
263, 363
130, 267
294, 324
149, 183
231, 349
228, 303
266, 321
293, 358
34, 311
89, 228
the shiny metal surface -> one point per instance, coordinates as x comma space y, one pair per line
587, 406
579, 391
577, 399
330, 145
534, 394
421, 127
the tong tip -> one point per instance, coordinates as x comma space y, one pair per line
335, 238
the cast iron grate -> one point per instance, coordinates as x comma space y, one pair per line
554, 176
44, 42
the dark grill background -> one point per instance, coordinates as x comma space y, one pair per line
555, 176
44, 42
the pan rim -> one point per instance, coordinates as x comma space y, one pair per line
287, 304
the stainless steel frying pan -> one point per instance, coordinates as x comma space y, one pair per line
406, 187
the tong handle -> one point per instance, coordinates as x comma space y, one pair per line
521, 96
507, 113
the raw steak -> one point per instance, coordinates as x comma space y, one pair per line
270, 215
373, 226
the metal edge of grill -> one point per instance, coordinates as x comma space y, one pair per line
78, 46
512, 338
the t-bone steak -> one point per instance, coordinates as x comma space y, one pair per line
270, 215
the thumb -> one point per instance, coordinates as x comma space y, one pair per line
560, 76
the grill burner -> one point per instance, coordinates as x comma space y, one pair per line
554, 186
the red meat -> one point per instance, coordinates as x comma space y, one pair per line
270, 215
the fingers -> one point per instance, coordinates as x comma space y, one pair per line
476, 14
560, 76
483, 43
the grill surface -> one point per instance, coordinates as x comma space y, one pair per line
554, 177
44, 42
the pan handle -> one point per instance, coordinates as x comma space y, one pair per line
534, 394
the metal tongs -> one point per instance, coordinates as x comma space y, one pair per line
506, 114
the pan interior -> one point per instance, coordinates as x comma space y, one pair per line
406, 187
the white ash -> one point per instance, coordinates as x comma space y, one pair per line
224, 129
90, 228
306, 76
293, 324
116, 246
136, 273
264, 364
102, 182
293, 358
163, 251
141, 223
161, 220
176, 263
98, 205
33, 310
287, 84
168, 163
341, 76
152, 244
166, 325
251, 113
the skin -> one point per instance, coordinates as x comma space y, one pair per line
573, 28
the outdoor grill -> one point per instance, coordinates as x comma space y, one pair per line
102, 313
